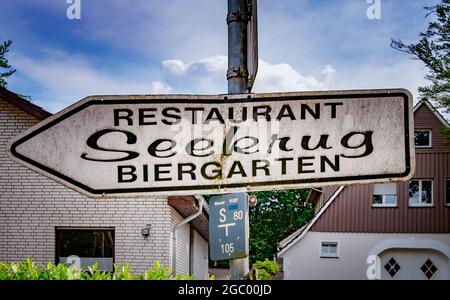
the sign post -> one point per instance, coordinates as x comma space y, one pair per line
237, 76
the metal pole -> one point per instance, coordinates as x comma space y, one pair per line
237, 76
237, 19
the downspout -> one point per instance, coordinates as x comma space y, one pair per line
201, 204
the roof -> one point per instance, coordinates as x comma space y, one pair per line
287, 240
186, 206
433, 110
292, 239
23, 104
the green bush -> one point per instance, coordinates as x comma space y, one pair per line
266, 269
30, 270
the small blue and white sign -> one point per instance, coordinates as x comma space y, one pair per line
228, 226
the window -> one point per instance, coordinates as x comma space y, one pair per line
429, 269
384, 195
329, 249
91, 245
422, 138
420, 193
392, 267
447, 194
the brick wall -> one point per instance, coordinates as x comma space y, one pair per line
31, 206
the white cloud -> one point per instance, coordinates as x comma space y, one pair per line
202, 76
159, 87
407, 74
210, 64
66, 79
327, 74
174, 66
207, 75
284, 78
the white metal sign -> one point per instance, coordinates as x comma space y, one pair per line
182, 144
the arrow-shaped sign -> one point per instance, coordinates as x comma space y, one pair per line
181, 144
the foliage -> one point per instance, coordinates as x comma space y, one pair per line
30, 270
433, 49
266, 269
5, 68
277, 214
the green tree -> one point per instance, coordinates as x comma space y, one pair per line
277, 214
433, 49
5, 68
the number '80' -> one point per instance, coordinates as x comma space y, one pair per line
238, 215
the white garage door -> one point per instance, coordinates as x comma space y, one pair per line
413, 264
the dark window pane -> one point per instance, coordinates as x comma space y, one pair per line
433, 269
422, 137
392, 267
424, 268
426, 192
414, 192
429, 269
377, 199
85, 243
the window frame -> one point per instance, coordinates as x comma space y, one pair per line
384, 204
430, 143
81, 228
329, 255
421, 204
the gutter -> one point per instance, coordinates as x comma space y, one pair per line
201, 205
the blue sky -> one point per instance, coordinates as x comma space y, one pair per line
180, 46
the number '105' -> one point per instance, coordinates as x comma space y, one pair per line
227, 248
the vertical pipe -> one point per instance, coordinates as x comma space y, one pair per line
237, 76
201, 204
237, 19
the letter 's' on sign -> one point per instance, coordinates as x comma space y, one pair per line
174, 144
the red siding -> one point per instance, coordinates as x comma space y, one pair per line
352, 210
425, 119
326, 194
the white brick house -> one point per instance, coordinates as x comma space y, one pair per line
35, 211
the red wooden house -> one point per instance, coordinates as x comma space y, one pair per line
388, 231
